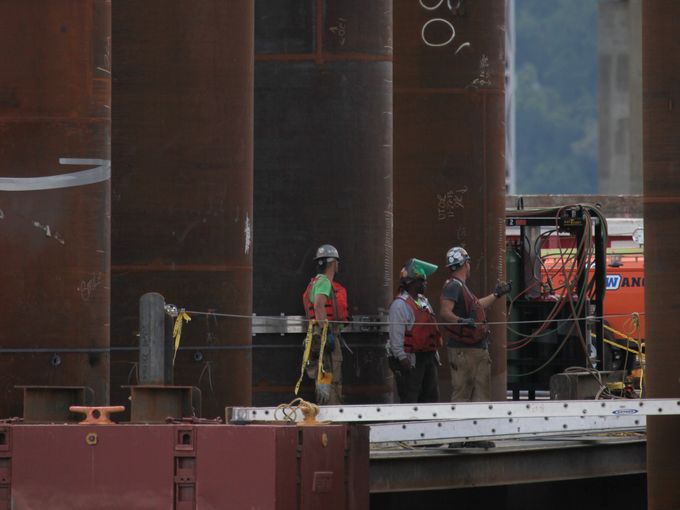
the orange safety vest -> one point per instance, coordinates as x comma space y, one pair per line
424, 336
473, 308
336, 303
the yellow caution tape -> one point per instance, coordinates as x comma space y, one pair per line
182, 317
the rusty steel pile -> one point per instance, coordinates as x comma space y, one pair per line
661, 125
449, 145
55, 119
323, 174
182, 189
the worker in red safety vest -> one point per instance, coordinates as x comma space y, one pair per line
325, 301
414, 337
467, 333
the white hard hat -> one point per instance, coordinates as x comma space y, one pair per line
327, 251
456, 257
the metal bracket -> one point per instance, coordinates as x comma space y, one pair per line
297, 324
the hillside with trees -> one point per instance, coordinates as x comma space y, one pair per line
556, 66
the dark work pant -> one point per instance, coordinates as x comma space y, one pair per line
420, 384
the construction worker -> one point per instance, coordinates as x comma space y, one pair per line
414, 337
467, 333
325, 302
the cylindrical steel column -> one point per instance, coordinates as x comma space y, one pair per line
449, 182
55, 100
323, 156
661, 128
182, 186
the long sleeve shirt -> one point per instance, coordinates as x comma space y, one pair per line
401, 319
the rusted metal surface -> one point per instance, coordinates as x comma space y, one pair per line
185, 466
510, 464
50, 404
661, 106
149, 404
182, 188
54, 229
449, 186
323, 156
92, 466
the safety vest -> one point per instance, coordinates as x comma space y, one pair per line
336, 303
473, 308
424, 335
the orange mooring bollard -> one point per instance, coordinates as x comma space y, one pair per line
97, 415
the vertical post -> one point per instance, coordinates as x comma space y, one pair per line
661, 153
155, 346
583, 325
600, 288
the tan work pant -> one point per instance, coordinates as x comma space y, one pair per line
336, 386
470, 374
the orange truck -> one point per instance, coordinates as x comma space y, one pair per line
625, 293
624, 300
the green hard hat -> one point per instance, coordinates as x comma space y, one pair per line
416, 268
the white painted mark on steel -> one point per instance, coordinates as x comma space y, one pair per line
246, 232
437, 20
101, 172
432, 7
464, 45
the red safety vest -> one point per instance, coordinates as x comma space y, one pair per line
424, 336
473, 308
336, 304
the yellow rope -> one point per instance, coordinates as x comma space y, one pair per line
289, 411
321, 377
308, 349
182, 317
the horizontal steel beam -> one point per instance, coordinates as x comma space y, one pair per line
456, 411
517, 463
498, 428
297, 324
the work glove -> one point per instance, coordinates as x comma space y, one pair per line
405, 364
502, 288
468, 322
322, 393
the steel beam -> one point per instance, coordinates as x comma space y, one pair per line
458, 411
514, 463
423, 432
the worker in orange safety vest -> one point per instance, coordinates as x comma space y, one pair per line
414, 337
325, 301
